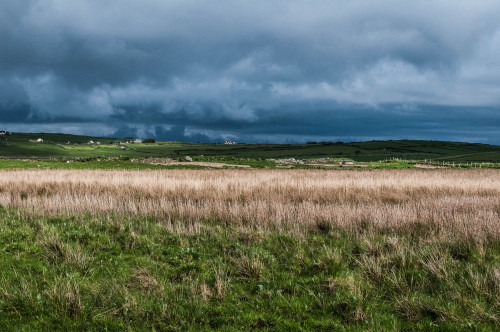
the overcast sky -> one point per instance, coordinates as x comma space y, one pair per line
252, 71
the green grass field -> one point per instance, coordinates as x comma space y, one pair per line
56, 146
131, 271
125, 273
87, 164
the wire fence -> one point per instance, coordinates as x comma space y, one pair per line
445, 164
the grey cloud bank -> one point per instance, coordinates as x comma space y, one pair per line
260, 71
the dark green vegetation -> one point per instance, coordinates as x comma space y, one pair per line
115, 273
56, 146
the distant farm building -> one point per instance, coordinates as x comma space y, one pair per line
138, 140
2, 132
229, 142
39, 140
91, 142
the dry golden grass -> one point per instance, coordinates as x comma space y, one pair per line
420, 246
453, 202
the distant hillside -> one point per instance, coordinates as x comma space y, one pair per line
24, 145
55, 138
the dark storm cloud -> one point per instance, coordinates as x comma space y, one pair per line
254, 71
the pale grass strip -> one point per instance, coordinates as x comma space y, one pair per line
465, 202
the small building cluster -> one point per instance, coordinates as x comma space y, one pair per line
229, 142
131, 140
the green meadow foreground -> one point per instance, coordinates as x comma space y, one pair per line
250, 249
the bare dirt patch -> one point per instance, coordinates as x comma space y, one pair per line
168, 161
338, 165
430, 166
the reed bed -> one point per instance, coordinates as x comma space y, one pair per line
449, 202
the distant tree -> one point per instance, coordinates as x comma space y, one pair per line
311, 142
149, 140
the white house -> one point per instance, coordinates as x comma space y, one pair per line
39, 140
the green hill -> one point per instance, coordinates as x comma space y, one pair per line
23, 146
